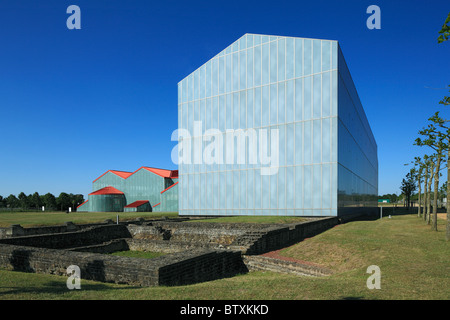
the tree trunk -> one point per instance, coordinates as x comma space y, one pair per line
436, 187
429, 195
425, 196
447, 232
418, 210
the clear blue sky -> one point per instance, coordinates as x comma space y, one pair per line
75, 103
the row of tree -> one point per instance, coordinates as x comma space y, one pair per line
426, 173
392, 197
36, 202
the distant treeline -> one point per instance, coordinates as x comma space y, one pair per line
392, 197
36, 201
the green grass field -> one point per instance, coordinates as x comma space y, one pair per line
29, 219
253, 219
414, 263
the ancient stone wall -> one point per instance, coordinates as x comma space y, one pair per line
203, 232
173, 269
198, 251
17, 230
64, 240
277, 237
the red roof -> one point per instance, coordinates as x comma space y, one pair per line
106, 190
122, 174
160, 172
163, 172
169, 187
82, 204
136, 204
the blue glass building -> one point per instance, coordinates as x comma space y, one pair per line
274, 126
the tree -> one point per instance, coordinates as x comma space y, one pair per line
420, 167
408, 186
77, 199
443, 124
49, 201
435, 139
425, 169
24, 200
446, 100
393, 197
63, 201
443, 192
444, 33
446, 134
431, 167
12, 202
35, 200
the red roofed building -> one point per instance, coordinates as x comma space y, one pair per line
106, 190
138, 206
146, 189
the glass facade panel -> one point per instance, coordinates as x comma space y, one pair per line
317, 56
265, 64
307, 98
273, 61
290, 58
273, 104
290, 101
250, 109
257, 66
307, 57
298, 98
242, 69
326, 55
257, 109
298, 64
281, 102
317, 96
265, 109
281, 59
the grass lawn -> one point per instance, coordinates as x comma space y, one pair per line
29, 219
414, 263
253, 219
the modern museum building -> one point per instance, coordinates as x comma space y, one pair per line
273, 125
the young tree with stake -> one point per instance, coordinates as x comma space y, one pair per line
435, 139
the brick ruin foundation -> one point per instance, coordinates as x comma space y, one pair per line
195, 251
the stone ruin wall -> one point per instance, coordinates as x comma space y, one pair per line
197, 251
